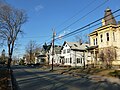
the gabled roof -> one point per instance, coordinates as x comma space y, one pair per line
57, 49
76, 46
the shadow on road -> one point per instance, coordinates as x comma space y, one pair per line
32, 79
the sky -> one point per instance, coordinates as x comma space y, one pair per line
44, 16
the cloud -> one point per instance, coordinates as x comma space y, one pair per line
38, 8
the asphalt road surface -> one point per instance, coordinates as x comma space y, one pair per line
34, 79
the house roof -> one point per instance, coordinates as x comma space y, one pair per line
109, 21
109, 18
41, 56
57, 49
95, 32
76, 45
92, 47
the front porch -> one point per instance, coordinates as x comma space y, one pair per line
94, 56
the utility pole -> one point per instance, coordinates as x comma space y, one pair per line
53, 49
84, 58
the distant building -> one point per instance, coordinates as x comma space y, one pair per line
43, 57
56, 60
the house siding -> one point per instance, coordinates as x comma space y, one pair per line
74, 57
114, 39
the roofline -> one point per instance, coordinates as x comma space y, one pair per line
103, 27
62, 46
78, 49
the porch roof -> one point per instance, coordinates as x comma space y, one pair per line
92, 47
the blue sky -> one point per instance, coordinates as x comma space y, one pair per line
43, 15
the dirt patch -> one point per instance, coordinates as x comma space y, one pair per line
4, 79
77, 72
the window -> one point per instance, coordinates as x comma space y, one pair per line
66, 60
113, 36
60, 61
64, 51
94, 41
107, 35
70, 60
78, 60
101, 38
68, 50
81, 60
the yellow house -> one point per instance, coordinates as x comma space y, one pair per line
105, 40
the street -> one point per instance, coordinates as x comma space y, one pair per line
34, 79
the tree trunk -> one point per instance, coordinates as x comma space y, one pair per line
9, 62
10, 50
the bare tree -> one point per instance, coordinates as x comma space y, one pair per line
11, 20
81, 39
32, 49
107, 55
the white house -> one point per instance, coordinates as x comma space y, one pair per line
56, 56
74, 54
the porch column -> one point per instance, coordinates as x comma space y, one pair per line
94, 57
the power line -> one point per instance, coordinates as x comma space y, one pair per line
33, 37
88, 25
77, 13
80, 18
84, 15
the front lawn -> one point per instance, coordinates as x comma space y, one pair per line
115, 73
